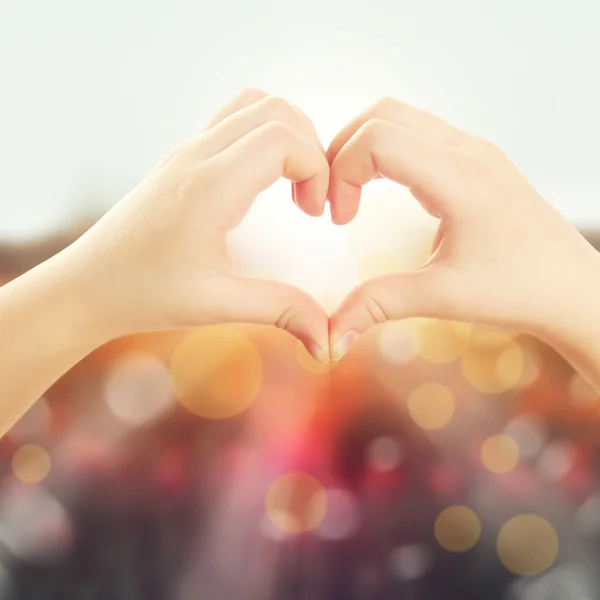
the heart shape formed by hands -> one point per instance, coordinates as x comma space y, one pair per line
494, 259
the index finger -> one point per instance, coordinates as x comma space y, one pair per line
383, 148
390, 109
273, 150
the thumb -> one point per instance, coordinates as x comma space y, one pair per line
386, 298
246, 300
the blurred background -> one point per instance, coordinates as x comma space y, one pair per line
436, 460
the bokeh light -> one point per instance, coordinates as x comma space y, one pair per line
493, 363
35, 526
587, 517
31, 463
440, 341
431, 405
296, 502
384, 453
138, 389
216, 372
500, 453
396, 342
457, 529
556, 460
528, 433
410, 562
527, 545
342, 518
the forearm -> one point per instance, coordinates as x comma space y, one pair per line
47, 324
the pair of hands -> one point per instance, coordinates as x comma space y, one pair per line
502, 255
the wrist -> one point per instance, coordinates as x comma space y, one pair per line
572, 321
83, 294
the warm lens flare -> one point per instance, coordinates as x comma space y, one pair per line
431, 405
296, 502
216, 372
528, 545
457, 529
31, 464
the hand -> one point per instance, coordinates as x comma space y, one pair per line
159, 258
502, 255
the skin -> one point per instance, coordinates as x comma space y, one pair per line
502, 256
159, 259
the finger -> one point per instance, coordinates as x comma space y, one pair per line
395, 152
245, 300
390, 109
250, 96
390, 297
246, 118
244, 98
273, 150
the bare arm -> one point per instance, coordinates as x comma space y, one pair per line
159, 259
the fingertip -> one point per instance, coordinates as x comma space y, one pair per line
321, 355
344, 199
311, 195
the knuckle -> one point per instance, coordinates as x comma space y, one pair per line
276, 130
386, 103
372, 306
249, 94
178, 154
276, 105
373, 130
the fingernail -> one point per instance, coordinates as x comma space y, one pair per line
344, 344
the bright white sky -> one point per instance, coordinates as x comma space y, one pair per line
92, 94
